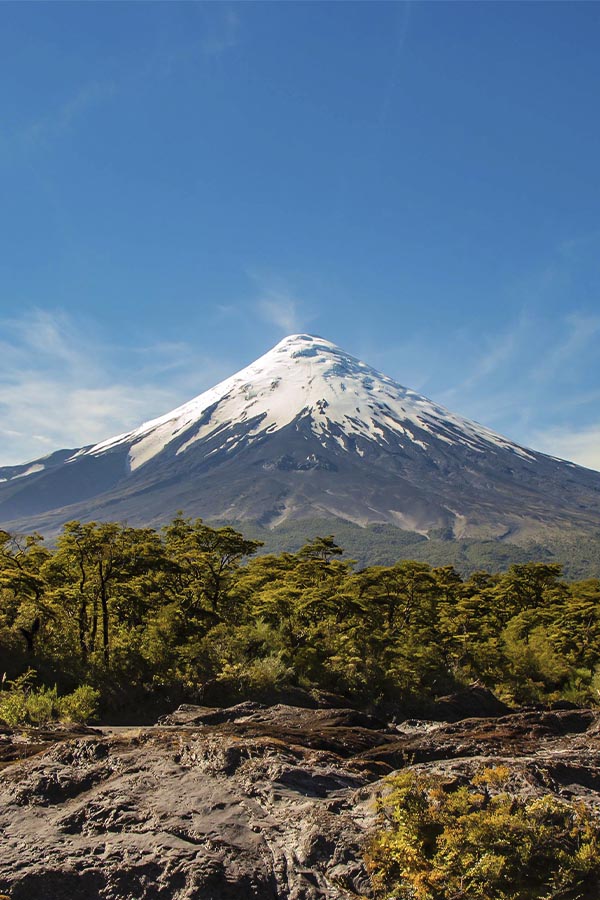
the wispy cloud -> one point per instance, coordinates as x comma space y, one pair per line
496, 355
57, 121
59, 387
222, 33
278, 303
580, 330
281, 310
579, 445
530, 382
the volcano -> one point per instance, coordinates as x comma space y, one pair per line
307, 430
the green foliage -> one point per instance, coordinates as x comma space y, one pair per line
480, 841
13, 699
258, 678
41, 705
382, 544
21, 703
134, 610
13, 709
114, 611
79, 706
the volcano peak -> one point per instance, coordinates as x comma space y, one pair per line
308, 429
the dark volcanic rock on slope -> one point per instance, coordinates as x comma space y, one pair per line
307, 430
273, 803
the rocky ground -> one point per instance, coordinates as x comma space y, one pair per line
269, 802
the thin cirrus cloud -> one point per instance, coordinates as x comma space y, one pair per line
578, 445
272, 302
580, 331
221, 31
278, 307
280, 310
276, 301
53, 123
222, 34
496, 355
60, 388
521, 383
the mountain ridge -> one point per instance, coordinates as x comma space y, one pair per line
308, 430
368, 398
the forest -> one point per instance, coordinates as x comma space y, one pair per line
126, 622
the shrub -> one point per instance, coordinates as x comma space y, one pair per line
21, 703
13, 708
13, 699
80, 706
41, 705
441, 843
267, 673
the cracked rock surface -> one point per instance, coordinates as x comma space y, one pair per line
273, 803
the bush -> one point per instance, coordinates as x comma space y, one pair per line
266, 674
13, 709
13, 699
21, 703
80, 706
41, 706
441, 844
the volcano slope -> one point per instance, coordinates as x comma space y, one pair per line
308, 431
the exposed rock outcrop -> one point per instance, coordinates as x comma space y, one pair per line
473, 702
272, 803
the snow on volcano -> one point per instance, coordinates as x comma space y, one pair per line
307, 431
305, 376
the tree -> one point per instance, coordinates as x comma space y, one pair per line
206, 561
90, 561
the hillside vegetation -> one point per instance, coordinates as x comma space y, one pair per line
577, 552
190, 612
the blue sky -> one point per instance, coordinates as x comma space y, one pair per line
183, 184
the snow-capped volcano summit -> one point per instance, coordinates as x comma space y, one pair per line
307, 430
305, 377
